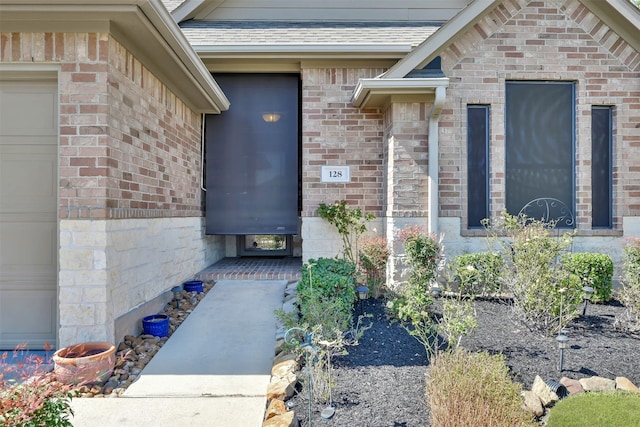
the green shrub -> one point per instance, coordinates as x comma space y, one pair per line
630, 294
326, 293
545, 294
374, 253
423, 252
412, 302
350, 223
478, 273
593, 269
473, 389
597, 410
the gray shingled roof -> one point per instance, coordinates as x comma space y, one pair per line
269, 33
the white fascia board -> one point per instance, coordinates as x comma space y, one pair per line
304, 51
366, 89
621, 16
164, 23
186, 9
428, 49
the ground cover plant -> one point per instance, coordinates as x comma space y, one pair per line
597, 410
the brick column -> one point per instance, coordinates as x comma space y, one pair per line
406, 175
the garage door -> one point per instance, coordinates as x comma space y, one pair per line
28, 213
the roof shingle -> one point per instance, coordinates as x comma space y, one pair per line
273, 33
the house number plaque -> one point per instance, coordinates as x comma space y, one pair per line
335, 174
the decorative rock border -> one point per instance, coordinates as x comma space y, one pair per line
283, 372
544, 394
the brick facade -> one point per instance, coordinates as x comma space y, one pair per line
336, 133
555, 41
130, 203
129, 148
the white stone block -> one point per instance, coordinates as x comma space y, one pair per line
77, 314
76, 259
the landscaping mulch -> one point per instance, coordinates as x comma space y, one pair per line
381, 381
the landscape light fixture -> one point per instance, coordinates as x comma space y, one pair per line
563, 343
363, 292
588, 291
176, 295
436, 290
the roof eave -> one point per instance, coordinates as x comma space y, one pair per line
303, 51
375, 93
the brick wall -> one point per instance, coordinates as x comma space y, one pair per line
553, 40
336, 133
130, 203
129, 148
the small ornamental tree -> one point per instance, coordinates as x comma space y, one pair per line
350, 222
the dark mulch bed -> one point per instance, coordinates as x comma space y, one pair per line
381, 381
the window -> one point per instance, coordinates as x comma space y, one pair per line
539, 150
477, 164
601, 166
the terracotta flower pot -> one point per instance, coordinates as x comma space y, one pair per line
85, 363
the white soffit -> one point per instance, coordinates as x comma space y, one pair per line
375, 93
143, 26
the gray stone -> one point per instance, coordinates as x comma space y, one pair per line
624, 383
288, 419
532, 403
276, 407
284, 368
282, 387
597, 384
290, 307
543, 391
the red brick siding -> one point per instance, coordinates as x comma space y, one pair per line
128, 146
542, 41
336, 133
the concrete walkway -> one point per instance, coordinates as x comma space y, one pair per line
213, 371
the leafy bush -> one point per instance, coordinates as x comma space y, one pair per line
374, 253
350, 222
473, 389
412, 303
478, 273
423, 253
326, 293
545, 294
630, 294
593, 269
594, 409
35, 398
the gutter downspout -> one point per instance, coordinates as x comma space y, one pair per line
202, 143
432, 203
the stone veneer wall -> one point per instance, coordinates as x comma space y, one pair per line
552, 40
130, 203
